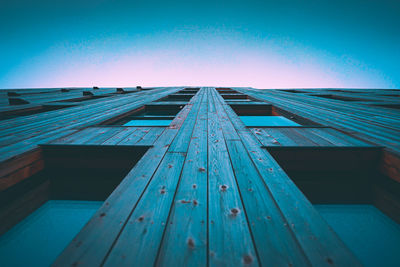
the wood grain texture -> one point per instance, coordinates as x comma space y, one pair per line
208, 191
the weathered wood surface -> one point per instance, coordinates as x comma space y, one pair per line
205, 194
378, 125
43, 96
290, 136
23, 134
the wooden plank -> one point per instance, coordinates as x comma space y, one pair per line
230, 241
265, 138
297, 137
143, 232
306, 132
264, 216
281, 136
373, 124
89, 247
134, 137
185, 238
150, 222
125, 132
332, 138
353, 141
280, 248
151, 136
106, 133
75, 136
38, 127
303, 219
313, 234
227, 127
181, 143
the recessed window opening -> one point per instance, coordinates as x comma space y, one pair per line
228, 92
11, 93
342, 98
85, 98
329, 175
391, 106
344, 91
149, 115
266, 115
241, 100
261, 109
42, 214
190, 90
176, 97
187, 92
17, 101
223, 90
30, 92
30, 111
293, 91
346, 187
267, 121
275, 111
235, 96
372, 236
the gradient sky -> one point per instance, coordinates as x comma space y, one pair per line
263, 44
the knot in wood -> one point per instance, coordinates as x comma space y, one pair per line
223, 187
234, 211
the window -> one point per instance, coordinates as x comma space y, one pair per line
84, 98
222, 90
42, 214
346, 187
292, 91
392, 106
330, 174
5, 115
190, 90
179, 97
44, 234
305, 137
155, 114
373, 237
152, 122
252, 109
259, 114
260, 121
235, 96
342, 98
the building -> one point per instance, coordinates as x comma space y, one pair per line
200, 176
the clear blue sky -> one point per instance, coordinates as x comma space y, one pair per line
264, 44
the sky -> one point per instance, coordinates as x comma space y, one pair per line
261, 44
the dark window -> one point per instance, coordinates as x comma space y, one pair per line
156, 114
259, 114
31, 111
43, 213
342, 98
392, 106
356, 200
372, 236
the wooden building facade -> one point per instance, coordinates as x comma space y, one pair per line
201, 176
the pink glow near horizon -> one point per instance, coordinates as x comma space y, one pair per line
258, 67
